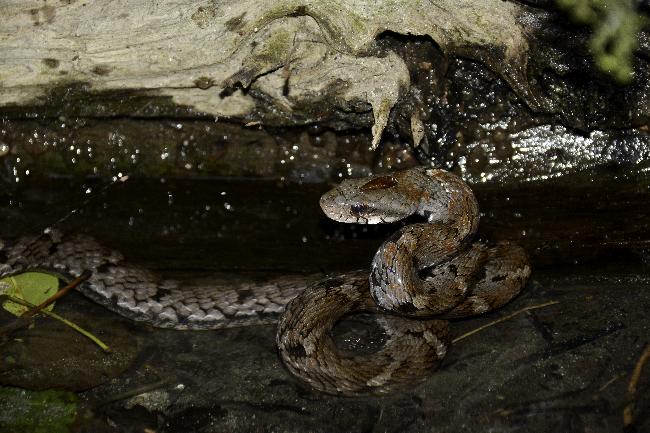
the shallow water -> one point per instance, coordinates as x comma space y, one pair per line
262, 226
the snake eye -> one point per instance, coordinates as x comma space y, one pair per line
359, 209
381, 182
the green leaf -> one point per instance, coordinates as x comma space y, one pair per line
33, 287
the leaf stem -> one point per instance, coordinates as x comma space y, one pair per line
77, 328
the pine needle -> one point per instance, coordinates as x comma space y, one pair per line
503, 319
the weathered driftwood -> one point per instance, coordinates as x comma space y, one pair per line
290, 55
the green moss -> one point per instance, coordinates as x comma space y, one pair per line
36, 411
616, 25
276, 48
341, 24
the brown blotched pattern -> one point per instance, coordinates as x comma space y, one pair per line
424, 270
412, 348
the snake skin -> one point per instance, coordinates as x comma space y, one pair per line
412, 348
425, 272
140, 295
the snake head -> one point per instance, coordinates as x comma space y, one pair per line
374, 200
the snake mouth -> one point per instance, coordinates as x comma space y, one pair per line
355, 213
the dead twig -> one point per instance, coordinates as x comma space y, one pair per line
609, 382
58, 295
135, 391
503, 319
628, 411
74, 326
27, 317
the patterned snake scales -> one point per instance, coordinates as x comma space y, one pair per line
424, 270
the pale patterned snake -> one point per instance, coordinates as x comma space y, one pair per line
424, 270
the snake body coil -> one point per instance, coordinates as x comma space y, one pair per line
424, 270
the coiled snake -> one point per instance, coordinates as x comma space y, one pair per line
424, 270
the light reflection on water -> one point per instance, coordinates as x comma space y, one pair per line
194, 148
